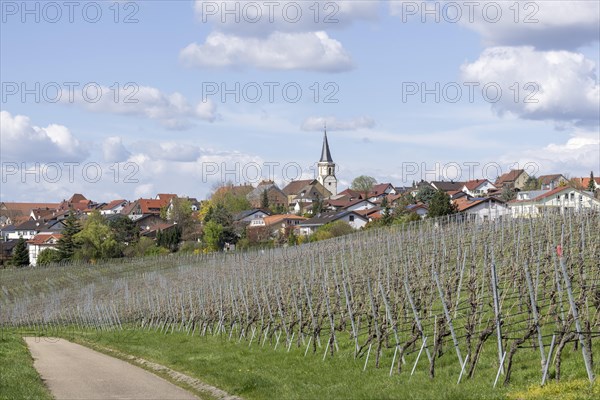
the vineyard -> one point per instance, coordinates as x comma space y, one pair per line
422, 294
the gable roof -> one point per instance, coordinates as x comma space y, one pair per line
275, 219
44, 238
475, 183
548, 179
447, 186
510, 176
464, 203
25, 208
246, 213
327, 217
113, 204
294, 187
380, 189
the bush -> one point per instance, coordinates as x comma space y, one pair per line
48, 256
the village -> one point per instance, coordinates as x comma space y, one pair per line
244, 216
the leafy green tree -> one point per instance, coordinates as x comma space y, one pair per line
363, 184
508, 194
317, 206
591, 184
532, 183
170, 238
48, 256
67, 244
440, 204
214, 236
220, 215
425, 193
264, 200
124, 229
387, 216
20, 256
181, 213
279, 209
96, 240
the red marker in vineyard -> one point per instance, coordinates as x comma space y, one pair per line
559, 250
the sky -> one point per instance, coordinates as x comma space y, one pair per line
127, 99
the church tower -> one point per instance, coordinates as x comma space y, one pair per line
327, 168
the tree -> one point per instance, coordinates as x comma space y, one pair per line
220, 215
317, 206
264, 200
363, 184
386, 216
425, 193
20, 257
66, 244
124, 229
96, 240
48, 256
591, 184
532, 183
508, 194
213, 236
440, 204
169, 239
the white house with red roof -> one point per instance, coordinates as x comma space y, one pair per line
534, 203
478, 187
481, 209
41, 242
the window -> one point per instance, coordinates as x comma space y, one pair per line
351, 218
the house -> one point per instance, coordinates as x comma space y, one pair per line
371, 213
514, 179
480, 209
414, 190
381, 190
142, 207
235, 191
420, 209
41, 242
151, 231
250, 215
353, 218
583, 183
15, 213
447, 186
277, 224
78, 202
477, 187
346, 203
146, 222
275, 196
534, 203
549, 182
113, 207
293, 189
307, 194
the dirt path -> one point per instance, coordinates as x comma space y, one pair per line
72, 371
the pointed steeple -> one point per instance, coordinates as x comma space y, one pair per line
325, 153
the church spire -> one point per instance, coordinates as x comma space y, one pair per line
325, 153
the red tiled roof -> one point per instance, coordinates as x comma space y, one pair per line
379, 189
151, 206
510, 176
43, 238
113, 204
25, 208
475, 183
275, 219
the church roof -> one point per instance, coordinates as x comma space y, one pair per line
325, 153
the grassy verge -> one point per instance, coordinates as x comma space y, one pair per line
18, 378
262, 373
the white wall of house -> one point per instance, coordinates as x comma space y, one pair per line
25, 234
487, 211
354, 220
569, 199
362, 205
114, 210
35, 250
480, 190
257, 215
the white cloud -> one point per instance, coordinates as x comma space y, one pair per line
21, 141
567, 82
261, 18
333, 124
578, 155
545, 25
168, 151
311, 51
113, 150
173, 111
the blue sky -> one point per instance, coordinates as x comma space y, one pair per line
170, 140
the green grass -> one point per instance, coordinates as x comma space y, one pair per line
262, 373
18, 378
